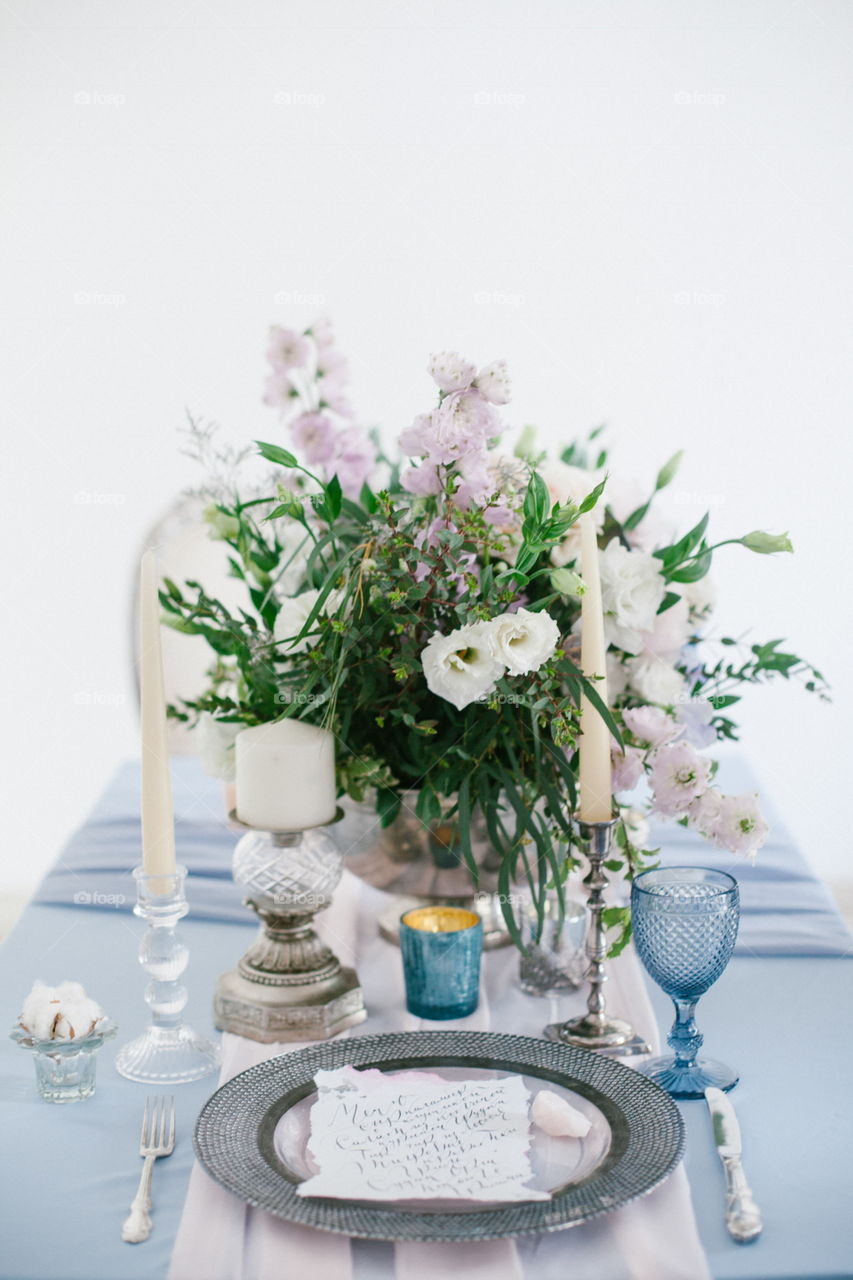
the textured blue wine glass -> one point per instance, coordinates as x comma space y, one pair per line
685, 924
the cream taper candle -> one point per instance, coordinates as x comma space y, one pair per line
285, 774
158, 823
596, 800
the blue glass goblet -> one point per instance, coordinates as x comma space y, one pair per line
685, 924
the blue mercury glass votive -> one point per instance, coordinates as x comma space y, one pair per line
441, 949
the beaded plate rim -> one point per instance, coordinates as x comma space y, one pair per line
233, 1136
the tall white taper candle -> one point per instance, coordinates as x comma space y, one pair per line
595, 773
158, 824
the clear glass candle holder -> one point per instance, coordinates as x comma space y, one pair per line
441, 949
169, 1051
65, 1069
554, 957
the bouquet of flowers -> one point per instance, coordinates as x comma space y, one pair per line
426, 610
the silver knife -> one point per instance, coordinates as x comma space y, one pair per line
743, 1217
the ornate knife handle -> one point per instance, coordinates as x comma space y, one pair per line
743, 1216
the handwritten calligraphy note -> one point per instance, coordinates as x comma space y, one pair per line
415, 1136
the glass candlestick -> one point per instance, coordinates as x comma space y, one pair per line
169, 1052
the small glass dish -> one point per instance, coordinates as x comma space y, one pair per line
65, 1069
555, 961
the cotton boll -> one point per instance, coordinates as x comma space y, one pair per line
39, 1012
78, 1019
556, 1117
59, 1013
71, 991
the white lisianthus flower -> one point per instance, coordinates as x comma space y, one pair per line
216, 746
656, 681
668, 633
293, 615
461, 666
632, 588
522, 641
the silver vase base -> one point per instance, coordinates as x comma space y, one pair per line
609, 1036
495, 932
168, 1055
279, 1013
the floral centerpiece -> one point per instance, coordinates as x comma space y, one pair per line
426, 610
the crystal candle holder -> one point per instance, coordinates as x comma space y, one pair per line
289, 985
169, 1052
65, 1069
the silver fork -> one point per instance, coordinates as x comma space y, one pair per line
157, 1139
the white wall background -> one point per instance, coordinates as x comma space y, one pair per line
646, 207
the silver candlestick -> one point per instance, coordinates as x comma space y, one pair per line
595, 1029
289, 985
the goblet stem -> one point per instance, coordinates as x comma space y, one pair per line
684, 1039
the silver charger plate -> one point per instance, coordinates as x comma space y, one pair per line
250, 1135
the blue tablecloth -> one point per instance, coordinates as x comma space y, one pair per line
782, 1013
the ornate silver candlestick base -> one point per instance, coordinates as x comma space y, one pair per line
596, 1029
289, 985
169, 1052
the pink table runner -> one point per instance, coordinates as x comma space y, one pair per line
655, 1238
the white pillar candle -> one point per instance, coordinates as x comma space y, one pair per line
285, 774
595, 774
158, 824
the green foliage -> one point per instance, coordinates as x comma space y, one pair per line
389, 571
